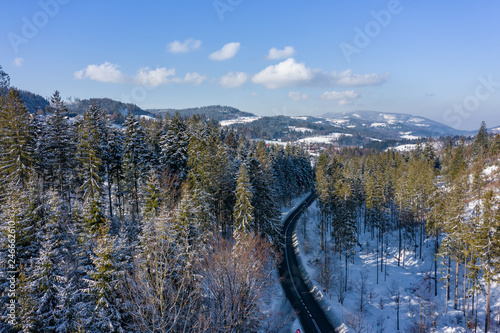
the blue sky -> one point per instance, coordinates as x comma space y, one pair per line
435, 59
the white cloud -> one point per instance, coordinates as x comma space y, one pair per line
346, 78
284, 74
183, 47
227, 52
18, 62
233, 79
191, 78
342, 97
106, 72
287, 52
289, 72
297, 96
154, 77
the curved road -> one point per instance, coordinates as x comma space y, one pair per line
312, 317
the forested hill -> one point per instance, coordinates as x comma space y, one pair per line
33, 102
212, 112
111, 106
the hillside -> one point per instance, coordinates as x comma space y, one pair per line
391, 125
359, 128
113, 107
212, 112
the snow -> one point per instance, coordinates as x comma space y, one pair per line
239, 120
421, 125
276, 302
146, 117
408, 135
416, 120
489, 170
300, 129
299, 118
391, 119
323, 138
408, 147
273, 142
338, 121
356, 115
378, 125
414, 276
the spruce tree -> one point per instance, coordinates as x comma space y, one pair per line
58, 147
480, 145
134, 160
243, 217
16, 140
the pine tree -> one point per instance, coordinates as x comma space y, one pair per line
134, 160
152, 194
16, 140
488, 228
105, 315
480, 146
4, 83
243, 209
175, 143
58, 147
48, 277
267, 212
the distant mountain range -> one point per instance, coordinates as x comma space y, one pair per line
391, 125
356, 127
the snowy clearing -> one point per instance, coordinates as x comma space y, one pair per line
300, 129
323, 138
240, 120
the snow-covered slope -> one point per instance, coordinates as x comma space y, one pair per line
392, 125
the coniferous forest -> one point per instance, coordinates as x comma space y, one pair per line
447, 199
167, 225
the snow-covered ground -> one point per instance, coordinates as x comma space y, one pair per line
300, 129
413, 279
323, 138
407, 147
239, 120
378, 125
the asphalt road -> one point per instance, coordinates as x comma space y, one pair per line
312, 317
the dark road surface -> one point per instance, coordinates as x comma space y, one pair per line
312, 317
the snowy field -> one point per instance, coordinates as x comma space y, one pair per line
413, 280
239, 120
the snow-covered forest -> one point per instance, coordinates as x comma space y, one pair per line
167, 225
417, 232
174, 225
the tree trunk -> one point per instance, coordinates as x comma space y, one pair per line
455, 305
397, 312
436, 247
488, 309
109, 197
399, 253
